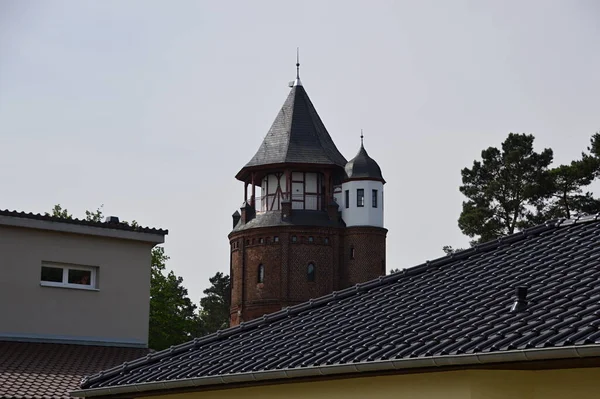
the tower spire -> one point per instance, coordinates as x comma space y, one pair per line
361, 137
297, 62
297, 82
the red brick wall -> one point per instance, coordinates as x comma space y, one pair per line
286, 263
369, 254
322, 256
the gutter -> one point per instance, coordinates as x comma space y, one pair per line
567, 352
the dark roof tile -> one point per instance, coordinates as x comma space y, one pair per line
81, 222
297, 136
362, 166
298, 218
459, 304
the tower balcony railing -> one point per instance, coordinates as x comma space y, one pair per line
272, 202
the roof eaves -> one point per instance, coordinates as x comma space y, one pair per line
571, 352
81, 222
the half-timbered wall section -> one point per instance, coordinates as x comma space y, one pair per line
273, 189
308, 191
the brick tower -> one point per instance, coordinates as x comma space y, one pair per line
317, 225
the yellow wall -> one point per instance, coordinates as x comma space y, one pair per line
468, 384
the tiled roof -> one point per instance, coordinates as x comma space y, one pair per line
297, 136
50, 371
298, 218
362, 166
106, 225
444, 309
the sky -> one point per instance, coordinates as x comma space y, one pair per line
150, 108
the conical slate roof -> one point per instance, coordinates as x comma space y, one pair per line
362, 166
297, 136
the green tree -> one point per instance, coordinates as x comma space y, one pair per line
504, 190
567, 197
59, 212
173, 317
214, 306
449, 250
95, 216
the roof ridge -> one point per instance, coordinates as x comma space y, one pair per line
82, 222
344, 293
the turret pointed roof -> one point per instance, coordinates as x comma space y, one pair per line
363, 167
297, 136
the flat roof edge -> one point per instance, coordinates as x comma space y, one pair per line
65, 227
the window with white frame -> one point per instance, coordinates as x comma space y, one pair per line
69, 276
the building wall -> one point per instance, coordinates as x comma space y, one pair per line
116, 312
369, 254
286, 262
464, 384
366, 215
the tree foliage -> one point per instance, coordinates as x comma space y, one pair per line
515, 187
214, 306
94, 216
449, 250
566, 197
173, 318
59, 212
503, 188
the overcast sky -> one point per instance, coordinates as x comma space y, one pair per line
152, 107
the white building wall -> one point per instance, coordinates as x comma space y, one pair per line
366, 215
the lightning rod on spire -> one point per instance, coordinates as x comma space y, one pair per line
297, 62
297, 82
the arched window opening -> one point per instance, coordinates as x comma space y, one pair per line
261, 273
310, 272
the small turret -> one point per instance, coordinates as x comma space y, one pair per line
362, 191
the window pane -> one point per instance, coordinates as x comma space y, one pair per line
261, 273
52, 274
374, 199
311, 272
360, 197
83, 277
347, 198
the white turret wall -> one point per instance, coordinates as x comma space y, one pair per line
367, 215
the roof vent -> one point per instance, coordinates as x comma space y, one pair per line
520, 300
112, 219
